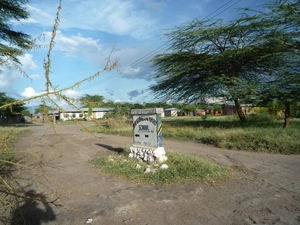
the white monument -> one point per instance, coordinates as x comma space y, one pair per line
147, 135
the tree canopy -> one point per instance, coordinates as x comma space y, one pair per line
284, 88
14, 41
91, 100
13, 110
42, 109
213, 58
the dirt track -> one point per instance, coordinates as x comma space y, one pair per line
268, 193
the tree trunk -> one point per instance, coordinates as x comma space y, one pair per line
287, 115
239, 110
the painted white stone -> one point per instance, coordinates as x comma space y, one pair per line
89, 220
148, 154
162, 159
150, 158
160, 151
138, 166
164, 166
148, 170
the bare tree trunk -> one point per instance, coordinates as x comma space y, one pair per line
239, 110
287, 115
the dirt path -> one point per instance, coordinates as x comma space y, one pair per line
269, 193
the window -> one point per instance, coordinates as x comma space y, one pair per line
81, 115
74, 115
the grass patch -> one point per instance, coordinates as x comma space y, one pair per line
181, 168
261, 133
8, 137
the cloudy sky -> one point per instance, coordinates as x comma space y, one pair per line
87, 33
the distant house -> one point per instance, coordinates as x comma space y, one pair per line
230, 109
83, 113
171, 112
214, 112
200, 112
69, 114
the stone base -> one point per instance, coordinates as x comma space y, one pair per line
148, 154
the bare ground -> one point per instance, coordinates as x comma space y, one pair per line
267, 192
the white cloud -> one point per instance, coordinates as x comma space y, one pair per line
27, 62
72, 94
76, 45
29, 92
96, 53
112, 16
13, 72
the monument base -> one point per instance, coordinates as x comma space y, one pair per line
148, 154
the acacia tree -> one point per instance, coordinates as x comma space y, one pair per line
213, 59
42, 109
285, 90
283, 20
91, 100
17, 40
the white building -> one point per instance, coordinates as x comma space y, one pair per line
80, 113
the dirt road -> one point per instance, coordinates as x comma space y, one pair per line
268, 193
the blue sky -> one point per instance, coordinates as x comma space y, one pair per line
86, 35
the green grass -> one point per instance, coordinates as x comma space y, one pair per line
8, 137
181, 168
261, 133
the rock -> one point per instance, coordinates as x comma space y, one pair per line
148, 154
162, 159
89, 220
164, 166
138, 166
132, 149
148, 170
150, 158
160, 151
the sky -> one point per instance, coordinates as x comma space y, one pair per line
131, 31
